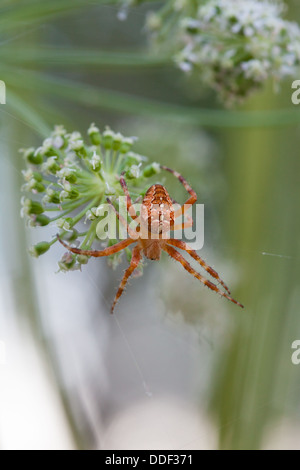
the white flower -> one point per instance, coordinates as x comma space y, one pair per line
91, 214
96, 161
63, 224
49, 164
27, 174
134, 171
59, 130
93, 129
76, 144
235, 45
64, 172
255, 69
57, 141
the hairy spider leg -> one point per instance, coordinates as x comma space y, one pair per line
186, 223
135, 260
132, 234
193, 196
98, 253
178, 257
130, 208
184, 246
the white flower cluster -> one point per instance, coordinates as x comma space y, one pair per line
236, 45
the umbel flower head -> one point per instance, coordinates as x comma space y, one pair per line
67, 181
233, 46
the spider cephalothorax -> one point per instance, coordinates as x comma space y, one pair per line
157, 217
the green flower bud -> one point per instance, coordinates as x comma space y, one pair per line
32, 157
42, 220
95, 163
37, 176
37, 159
74, 136
51, 152
133, 172
94, 134
52, 197
67, 262
32, 207
73, 194
117, 141
39, 187
82, 259
132, 159
34, 186
39, 249
92, 213
127, 143
151, 170
76, 144
51, 165
108, 137
72, 178
64, 223
67, 174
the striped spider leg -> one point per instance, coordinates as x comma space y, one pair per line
158, 212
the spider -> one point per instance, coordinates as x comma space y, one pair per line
157, 216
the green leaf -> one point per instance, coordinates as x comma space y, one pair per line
121, 102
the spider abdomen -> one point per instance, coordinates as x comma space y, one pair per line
157, 210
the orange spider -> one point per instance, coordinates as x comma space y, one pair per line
157, 215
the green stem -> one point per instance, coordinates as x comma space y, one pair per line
113, 160
26, 114
90, 236
121, 102
119, 162
67, 206
86, 208
31, 12
68, 57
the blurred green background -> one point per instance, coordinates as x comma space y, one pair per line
177, 367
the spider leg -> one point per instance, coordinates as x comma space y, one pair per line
130, 208
98, 253
184, 246
182, 225
193, 196
131, 232
135, 260
178, 257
